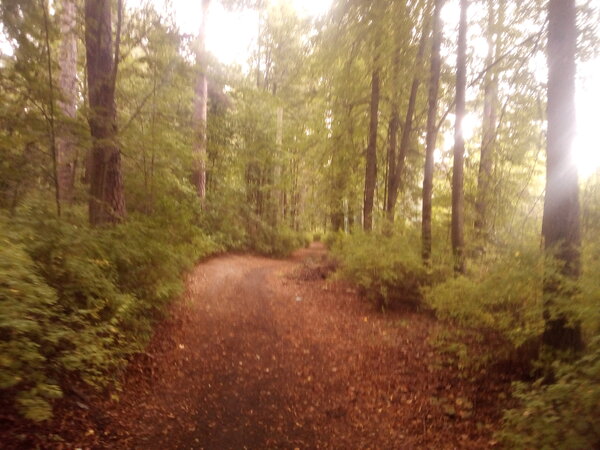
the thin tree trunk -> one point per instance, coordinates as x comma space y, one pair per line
66, 150
391, 159
489, 122
561, 221
434, 84
398, 172
107, 201
277, 178
371, 157
394, 123
52, 115
200, 109
458, 198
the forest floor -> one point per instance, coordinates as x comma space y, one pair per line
262, 353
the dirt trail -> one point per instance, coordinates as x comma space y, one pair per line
261, 354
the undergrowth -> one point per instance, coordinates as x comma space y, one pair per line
76, 300
500, 299
388, 269
495, 314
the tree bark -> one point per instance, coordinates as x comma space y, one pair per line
458, 200
200, 109
561, 220
371, 157
107, 201
66, 150
432, 107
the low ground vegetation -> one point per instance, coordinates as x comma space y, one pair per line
494, 317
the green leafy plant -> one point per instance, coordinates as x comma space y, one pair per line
387, 268
504, 297
561, 415
76, 300
30, 332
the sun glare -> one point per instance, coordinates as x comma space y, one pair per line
586, 147
231, 34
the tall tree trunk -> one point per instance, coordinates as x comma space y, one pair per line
434, 84
66, 150
398, 172
371, 166
107, 200
277, 169
458, 197
489, 122
200, 109
561, 221
391, 156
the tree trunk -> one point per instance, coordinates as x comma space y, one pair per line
561, 221
458, 198
277, 169
489, 122
107, 201
394, 123
200, 109
66, 150
391, 157
434, 84
396, 179
371, 166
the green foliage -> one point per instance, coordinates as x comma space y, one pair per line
333, 238
564, 414
272, 240
388, 268
561, 415
29, 332
80, 300
504, 296
588, 298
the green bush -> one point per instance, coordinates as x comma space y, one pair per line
589, 290
332, 238
29, 332
388, 269
268, 240
562, 415
225, 219
80, 300
504, 297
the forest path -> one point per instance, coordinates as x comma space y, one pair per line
263, 353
